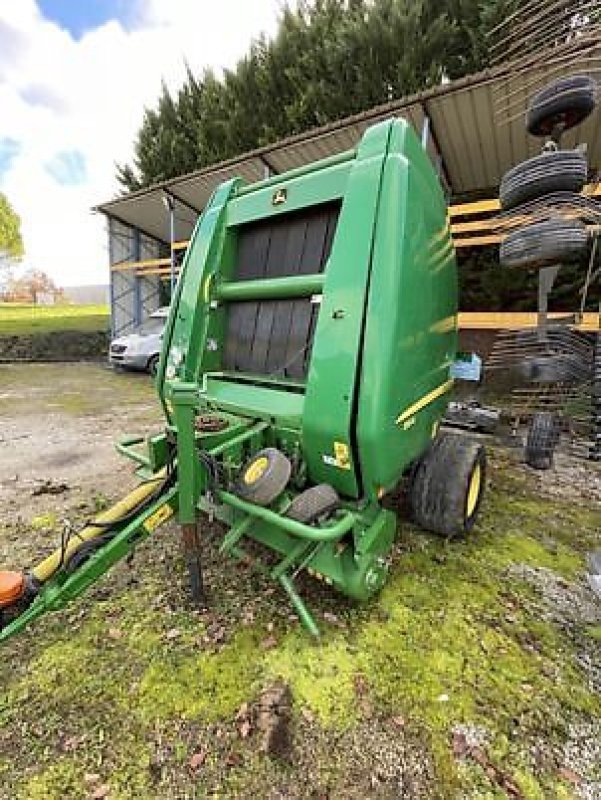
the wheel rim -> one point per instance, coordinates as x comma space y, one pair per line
473, 492
255, 470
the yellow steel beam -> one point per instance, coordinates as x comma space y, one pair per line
478, 241
488, 206
484, 226
150, 262
506, 320
158, 271
469, 209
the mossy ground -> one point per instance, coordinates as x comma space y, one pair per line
124, 686
130, 682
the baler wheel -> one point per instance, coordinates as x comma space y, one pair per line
448, 484
542, 243
542, 439
264, 477
313, 503
563, 104
557, 171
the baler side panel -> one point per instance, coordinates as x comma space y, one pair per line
330, 402
189, 319
410, 337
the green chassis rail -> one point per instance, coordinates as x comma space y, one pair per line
301, 544
316, 313
65, 585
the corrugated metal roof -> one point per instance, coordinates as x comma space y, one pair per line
478, 133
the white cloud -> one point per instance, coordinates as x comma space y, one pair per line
60, 96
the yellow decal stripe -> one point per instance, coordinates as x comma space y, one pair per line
207, 287
424, 401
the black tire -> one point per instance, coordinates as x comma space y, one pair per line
542, 243
153, 365
542, 439
448, 484
566, 102
264, 477
556, 171
313, 503
553, 368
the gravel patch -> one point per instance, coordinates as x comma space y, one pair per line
569, 478
573, 607
582, 755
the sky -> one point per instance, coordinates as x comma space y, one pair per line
75, 77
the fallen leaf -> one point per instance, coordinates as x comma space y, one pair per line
569, 775
197, 760
233, 759
115, 633
245, 728
269, 643
173, 633
460, 746
398, 721
71, 743
101, 792
91, 777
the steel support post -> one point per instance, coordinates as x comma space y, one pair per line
170, 206
185, 396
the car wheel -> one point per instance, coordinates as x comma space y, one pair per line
153, 365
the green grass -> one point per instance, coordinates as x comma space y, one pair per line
21, 318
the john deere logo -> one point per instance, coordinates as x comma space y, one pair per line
279, 197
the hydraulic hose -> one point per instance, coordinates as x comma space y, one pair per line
46, 568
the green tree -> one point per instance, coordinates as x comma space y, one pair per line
11, 243
328, 59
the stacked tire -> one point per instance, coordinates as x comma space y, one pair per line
553, 240
556, 108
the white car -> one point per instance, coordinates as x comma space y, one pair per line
141, 349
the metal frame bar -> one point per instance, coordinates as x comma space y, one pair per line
434, 136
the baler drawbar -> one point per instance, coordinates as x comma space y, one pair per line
305, 370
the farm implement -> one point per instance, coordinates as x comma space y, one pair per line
305, 370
